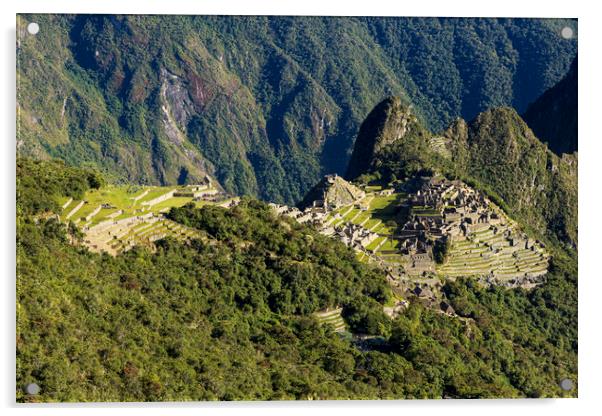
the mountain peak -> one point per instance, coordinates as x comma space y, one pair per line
502, 128
390, 121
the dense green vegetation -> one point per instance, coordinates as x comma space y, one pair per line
301, 272
230, 316
513, 340
441, 250
266, 104
41, 183
539, 187
391, 129
366, 316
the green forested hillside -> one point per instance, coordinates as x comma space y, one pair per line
41, 183
231, 317
266, 104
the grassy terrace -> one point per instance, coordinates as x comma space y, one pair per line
377, 241
68, 210
380, 210
144, 233
351, 214
425, 212
384, 205
380, 228
372, 224
123, 202
121, 198
337, 222
362, 218
466, 257
476, 258
363, 257
171, 202
332, 318
153, 193
373, 188
472, 256
384, 229
389, 245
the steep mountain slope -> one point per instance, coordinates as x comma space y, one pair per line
390, 122
266, 104
539, 187
553, 116
496, 152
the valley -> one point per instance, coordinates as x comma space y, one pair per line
269, 115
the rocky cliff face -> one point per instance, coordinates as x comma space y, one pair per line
176, 109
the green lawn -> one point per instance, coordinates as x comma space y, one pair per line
171, 202
70, 208
371, 223
382, 202
62, 200
373, 188
375, 243
102, 215
426, 212
390, 244
360, 218
121, 198
117, 196
350, 214
154, 193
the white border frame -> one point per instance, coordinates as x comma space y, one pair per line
590, 150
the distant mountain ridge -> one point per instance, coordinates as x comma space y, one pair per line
267, 105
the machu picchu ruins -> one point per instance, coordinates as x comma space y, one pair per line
404, 231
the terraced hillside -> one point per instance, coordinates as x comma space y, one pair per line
332, 317
492, 253
116, 218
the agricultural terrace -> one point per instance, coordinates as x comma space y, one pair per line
116, 218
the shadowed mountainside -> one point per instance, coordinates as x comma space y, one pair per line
553, 116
